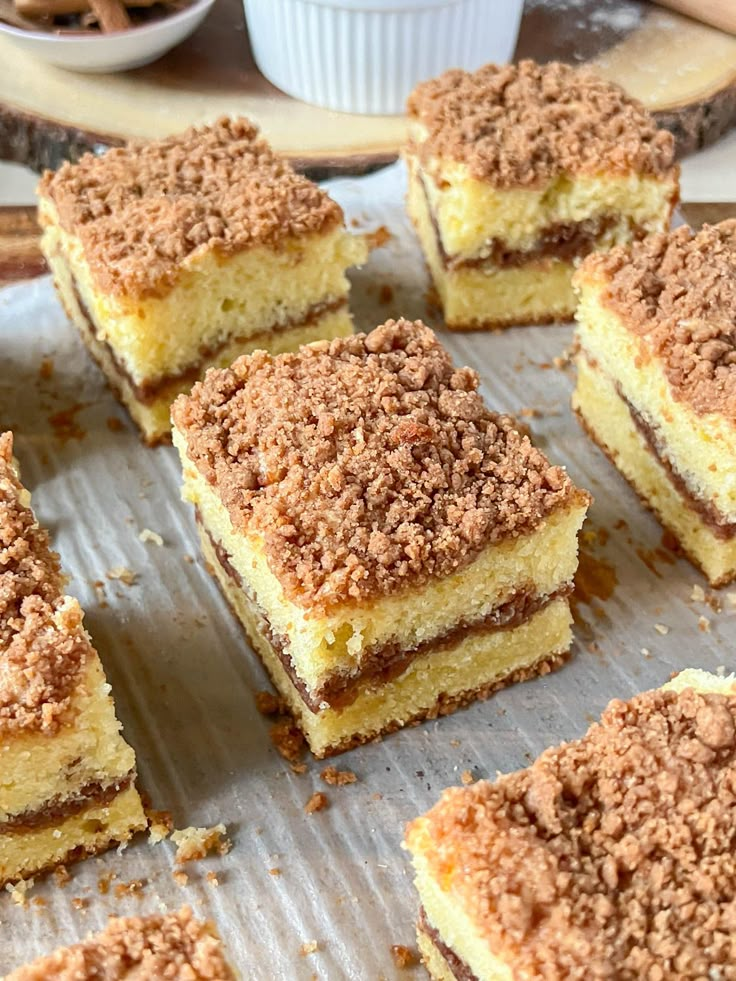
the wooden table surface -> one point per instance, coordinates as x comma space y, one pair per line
683, 71
21, 259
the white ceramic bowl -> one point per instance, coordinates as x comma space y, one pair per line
115, 52
367, 55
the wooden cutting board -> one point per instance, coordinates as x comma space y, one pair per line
685, 72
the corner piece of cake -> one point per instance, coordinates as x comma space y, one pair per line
146, 948
67, 778
393, 548
656, 381
518, 171
613, 856
183, 253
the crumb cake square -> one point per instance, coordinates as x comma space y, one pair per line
67, 778
656, 380
141, 948
393, 548
518, 171
613, 856
183, 253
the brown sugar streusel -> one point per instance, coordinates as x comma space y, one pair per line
366, 464
43, 646
523, 124
175, 945
611, 856
141, 210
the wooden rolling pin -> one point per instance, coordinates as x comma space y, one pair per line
717, 13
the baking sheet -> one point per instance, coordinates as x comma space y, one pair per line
183, 676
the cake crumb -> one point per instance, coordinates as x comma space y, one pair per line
646, 652
194, 844
378, 238
298, 768
713, 600
180, 878
114, 424
61, 876
78, 902
134, 887
704, 625
404, 957
160, 825
46, 368
661, 628
698, 594
123, 574
455, 743
466, 777
268, 703
288, 740
65, 424
309, 947
18, 891
274, 872
146, 535
103, 883
211, 877
337, 778
317, 802
377, 796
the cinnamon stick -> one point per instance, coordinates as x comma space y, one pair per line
111, 14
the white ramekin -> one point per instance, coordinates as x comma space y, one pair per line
367, 55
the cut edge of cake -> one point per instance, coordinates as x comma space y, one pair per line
234, 258
353, 668
650, 395
502, 221
68, 787
439, 952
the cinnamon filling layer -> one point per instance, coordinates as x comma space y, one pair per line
148, 392
564, 241
708, 513
459, 968
57, 809
385, 662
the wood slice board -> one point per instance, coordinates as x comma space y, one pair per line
683, 71
21, 258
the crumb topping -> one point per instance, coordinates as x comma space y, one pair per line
175, 946
43, 645
142, 210
367, 464
524, 124
317, 802
677, 290
614, 855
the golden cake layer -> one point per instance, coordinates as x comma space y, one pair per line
146, 948
657, 380
67, 780
393, 547
183, 253
516, 172
611, 856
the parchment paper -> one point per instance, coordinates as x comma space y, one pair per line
183, 676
